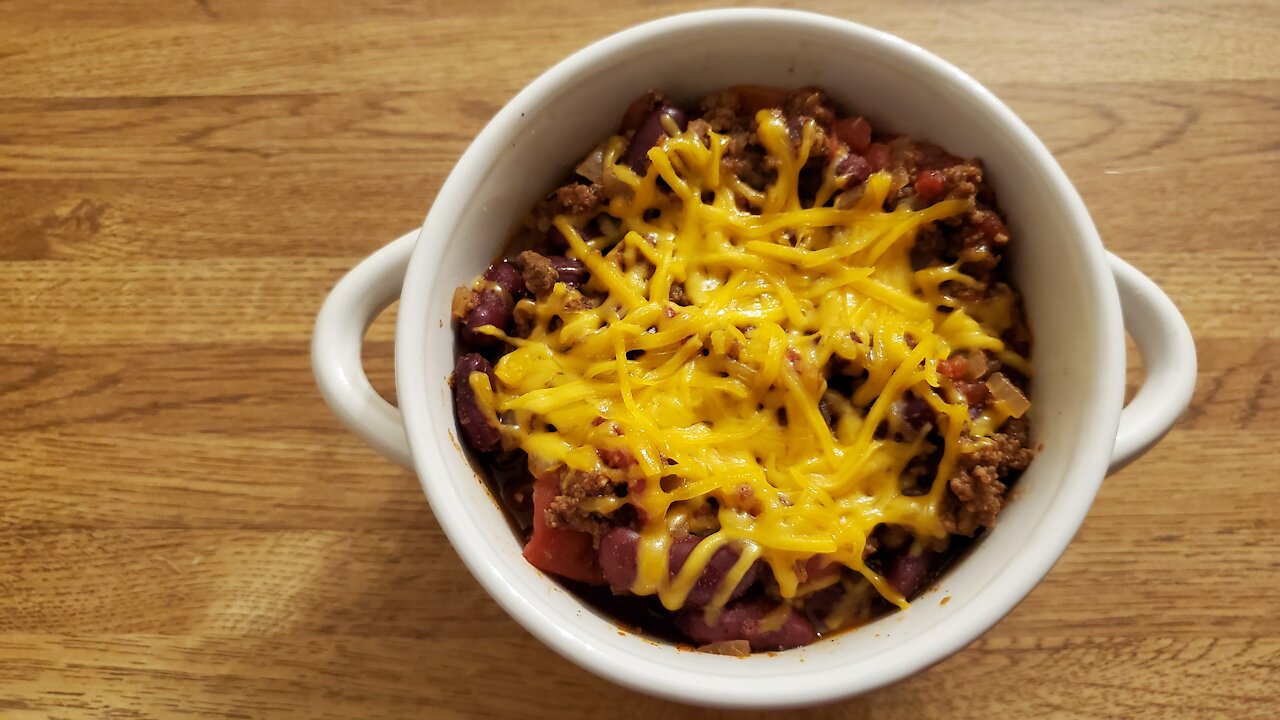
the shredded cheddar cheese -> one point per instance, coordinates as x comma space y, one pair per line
726, 398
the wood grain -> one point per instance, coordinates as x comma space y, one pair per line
185, 530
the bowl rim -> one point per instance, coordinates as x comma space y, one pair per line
1010, 585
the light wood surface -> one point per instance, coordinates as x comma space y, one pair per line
186, 531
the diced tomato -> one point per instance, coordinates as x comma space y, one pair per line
754, 98
954, 367
561, 551
877, 156
930, 184
854, 132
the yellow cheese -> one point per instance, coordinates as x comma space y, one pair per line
723, 401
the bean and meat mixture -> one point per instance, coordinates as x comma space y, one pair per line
754, 374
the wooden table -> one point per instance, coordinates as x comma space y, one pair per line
187, 531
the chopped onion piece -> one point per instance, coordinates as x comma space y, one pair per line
592, 166
613, 187
1008, 395
976, 364
735, 648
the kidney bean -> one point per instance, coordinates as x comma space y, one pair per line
618, 561
855, 167
976, 394
479, 429
638, 110
507, 276
569, 271
650, 133
821, 567
490, 308
704, 590
915, 411
907, 572
557, 241
742, 621
618, 558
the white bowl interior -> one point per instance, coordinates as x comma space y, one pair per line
529, 149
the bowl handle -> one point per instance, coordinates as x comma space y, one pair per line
359, 297
1169, 356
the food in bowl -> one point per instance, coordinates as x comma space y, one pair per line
754, 374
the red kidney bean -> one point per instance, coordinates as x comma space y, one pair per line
907, 572
638, 110
704, 590
742, 621
855, 167
507, 276
821, 567
915, 411
569, 271
490, 308
618, 561
618, 558
479, 428
557, 241
650, 132
976, 394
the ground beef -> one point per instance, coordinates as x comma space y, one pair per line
720, 110
750, 164
745, 157
962, 180
579, 198
575, 487
464, 299
909, 157
980, 495
975, 241
977, 486
578, 301
812, 103
679, 296
540, 275
700, 127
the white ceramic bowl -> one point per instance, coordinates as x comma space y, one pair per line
1075, 293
